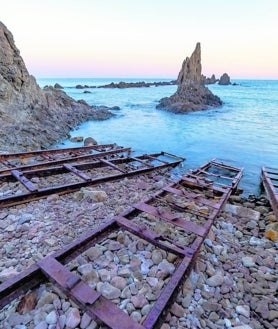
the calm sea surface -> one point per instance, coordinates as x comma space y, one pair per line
243, 132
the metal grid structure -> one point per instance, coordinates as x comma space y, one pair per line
187, 208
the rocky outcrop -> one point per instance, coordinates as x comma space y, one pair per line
123, 85
224, 80
209, 81
191, 69
191, 94
32, 117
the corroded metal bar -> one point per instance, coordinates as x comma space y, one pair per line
76, 172
173, 219
23, 155
72, 187
112, 165
153, 237
154, 318
87, 298
270, 188
23, 180
44, 164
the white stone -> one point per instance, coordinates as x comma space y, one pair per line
243, 310
51, 318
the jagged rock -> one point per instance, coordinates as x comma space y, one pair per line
191, 94
57, 86
191, 67
224, 80
209, 81
31, 117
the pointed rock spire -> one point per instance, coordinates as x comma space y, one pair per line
191, 69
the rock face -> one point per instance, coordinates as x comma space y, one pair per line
191, 67
224, 79
191, 94
30, 117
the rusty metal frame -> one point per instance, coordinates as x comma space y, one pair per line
71, 155
35, 193
51, 267
269, 178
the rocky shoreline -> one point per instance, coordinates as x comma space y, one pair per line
233, 284
31, 117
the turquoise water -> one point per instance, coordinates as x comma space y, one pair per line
242, 132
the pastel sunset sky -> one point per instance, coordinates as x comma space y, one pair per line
144, 38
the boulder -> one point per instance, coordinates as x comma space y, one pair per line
31, 117
224, 80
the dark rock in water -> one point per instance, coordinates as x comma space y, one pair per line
57, 86
191, 94
87, 92
31, 117
224, 80
209, 81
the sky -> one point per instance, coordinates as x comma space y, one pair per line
144, 38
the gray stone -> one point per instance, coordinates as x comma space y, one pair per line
109, 291
243, 310
242, 211
51, 318
73, 318
215, 280
248, 261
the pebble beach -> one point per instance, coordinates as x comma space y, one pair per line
232, 285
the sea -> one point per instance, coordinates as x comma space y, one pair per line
243, 132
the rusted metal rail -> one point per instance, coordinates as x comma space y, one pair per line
46, 158
66, 177
186, 209
270, 183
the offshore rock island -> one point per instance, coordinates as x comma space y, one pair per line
191, 94
32, 117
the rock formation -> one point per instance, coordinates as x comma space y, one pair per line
191, 67
191, 94
224, 80
32, 117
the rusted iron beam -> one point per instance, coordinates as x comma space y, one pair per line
72, 187
192, 196
77, 172
141, 161
23, 180
33, 276
51, 152
91, 302
153, 237
270, 188
171, 218
44, 164
158, 312
112, 165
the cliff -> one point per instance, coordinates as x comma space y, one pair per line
191, 94
31, 117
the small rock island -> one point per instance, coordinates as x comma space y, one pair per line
191, 94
